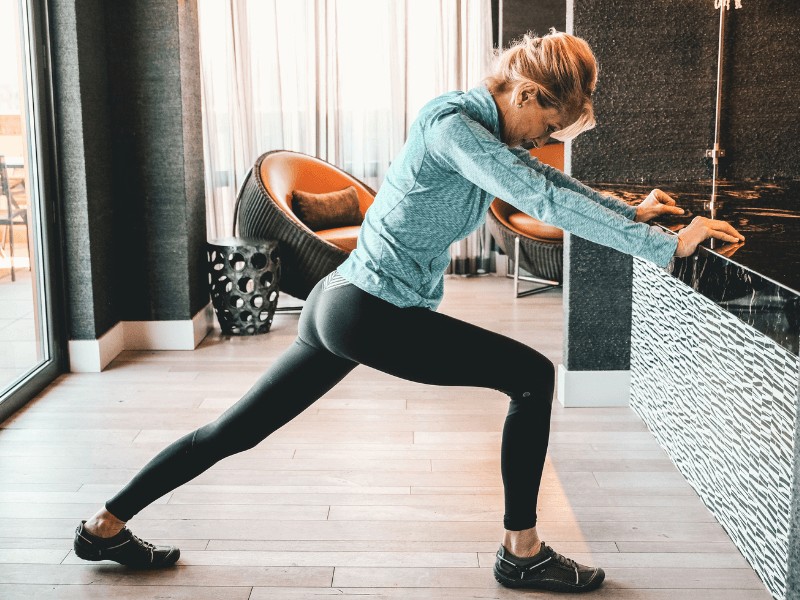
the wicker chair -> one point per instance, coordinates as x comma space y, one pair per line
535, 246
264, 211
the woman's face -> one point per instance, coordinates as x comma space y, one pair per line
529, 125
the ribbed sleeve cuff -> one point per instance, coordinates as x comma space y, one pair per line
661, 246
629, 211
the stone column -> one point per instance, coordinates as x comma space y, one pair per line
597, 325
154, 92
127, 100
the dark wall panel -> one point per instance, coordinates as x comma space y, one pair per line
194, 165
762, 123
655, 93
521, 16
655, 100
153, 63
82, 121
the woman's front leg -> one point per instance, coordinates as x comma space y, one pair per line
433, 348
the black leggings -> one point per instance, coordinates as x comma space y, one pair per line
341, 326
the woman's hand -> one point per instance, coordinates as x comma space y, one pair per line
702, 228
657, 203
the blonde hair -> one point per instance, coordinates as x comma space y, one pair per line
563, 69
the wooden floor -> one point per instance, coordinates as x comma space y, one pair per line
382, 489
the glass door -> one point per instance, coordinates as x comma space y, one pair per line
30, 343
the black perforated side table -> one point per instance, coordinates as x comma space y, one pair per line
243, 276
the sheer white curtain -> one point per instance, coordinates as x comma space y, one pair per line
337, 79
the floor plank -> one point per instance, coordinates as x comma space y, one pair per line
123, 592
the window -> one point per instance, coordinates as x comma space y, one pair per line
31, 348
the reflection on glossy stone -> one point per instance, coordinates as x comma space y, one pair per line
758, 280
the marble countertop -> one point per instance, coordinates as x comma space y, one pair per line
757, 280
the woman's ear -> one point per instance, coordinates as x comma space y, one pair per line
525, 92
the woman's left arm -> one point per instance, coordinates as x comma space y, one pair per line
656, 204
562, 180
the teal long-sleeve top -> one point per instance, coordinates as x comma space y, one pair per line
439, 188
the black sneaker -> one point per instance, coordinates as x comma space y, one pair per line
548, 570
124, 548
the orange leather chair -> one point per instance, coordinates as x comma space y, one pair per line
264, 211
534, 245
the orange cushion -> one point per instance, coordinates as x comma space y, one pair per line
535, 228
343, 237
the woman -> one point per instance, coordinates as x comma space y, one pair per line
378, 307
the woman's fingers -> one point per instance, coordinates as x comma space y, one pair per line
722, 235
723, 228
663, 197
656, 204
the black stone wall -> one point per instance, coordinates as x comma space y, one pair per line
129, 136
762, 123
521, 16
655, 100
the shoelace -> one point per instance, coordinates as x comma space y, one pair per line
141, 542
562, 559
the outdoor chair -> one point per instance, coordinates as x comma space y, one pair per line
11, 214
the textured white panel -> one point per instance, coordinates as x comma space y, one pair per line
721, 398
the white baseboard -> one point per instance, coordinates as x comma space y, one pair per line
92, 356
168, 335
593, 388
